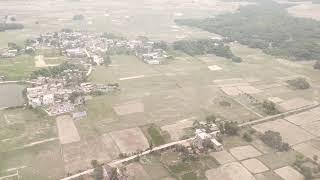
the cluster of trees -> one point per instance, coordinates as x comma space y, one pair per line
10, 26
53, 71
307, 170
274, 140
229, 127
299, 83
205, 46
268, 26
269, 107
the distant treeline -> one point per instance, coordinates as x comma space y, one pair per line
313, 1
10, 26
268, 26
205, 46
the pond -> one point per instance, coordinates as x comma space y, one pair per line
11, 95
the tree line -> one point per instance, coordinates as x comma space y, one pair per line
205, 46
268, 26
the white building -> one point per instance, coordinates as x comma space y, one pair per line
48, 99
98, 60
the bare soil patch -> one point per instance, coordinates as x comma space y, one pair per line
137, 171
244, 152
295, 103
68, 132
222, 157
129, 108
303, 118
254, 166
130, 140
230, 171
176, 130
288, 173
290, 133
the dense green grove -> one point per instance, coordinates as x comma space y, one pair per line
205, 46
268, 26
54, 71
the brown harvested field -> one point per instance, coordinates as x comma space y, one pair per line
176, 130
289, 173
130, 140
68, 132
129, 108
308, 149
254, 166
290, 133
245, 152
136, 171
303, 118
230, 171
294, 103
222, 157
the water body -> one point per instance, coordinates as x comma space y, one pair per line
11, 95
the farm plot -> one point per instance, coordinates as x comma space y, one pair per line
308, 149
295, 103
254, 166
290, 133
238, 88
289, 173
222, 157
78, 155
129, 108
68, 132
130, 140
313, 128
137, 171
244, 152
275, 160
303, 118
176, 130
230, 171
169, 106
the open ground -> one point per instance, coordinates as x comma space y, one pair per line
167, 96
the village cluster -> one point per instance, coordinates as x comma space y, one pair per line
97, 46
54, 94
56, 97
